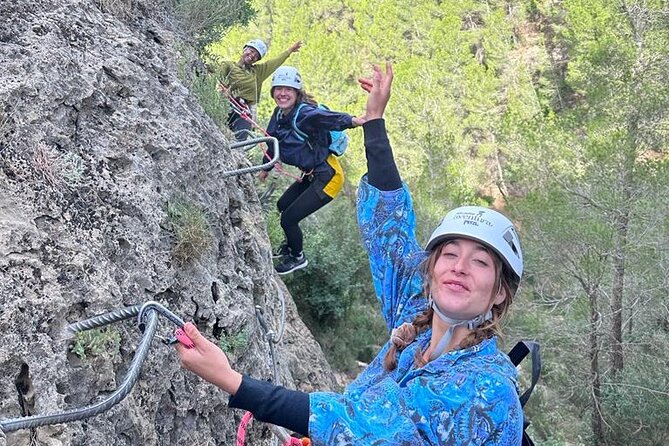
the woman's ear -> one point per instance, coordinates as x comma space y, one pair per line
501, 296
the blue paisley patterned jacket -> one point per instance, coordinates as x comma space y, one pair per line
465, 397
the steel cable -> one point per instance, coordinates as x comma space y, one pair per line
94, 409
147, 320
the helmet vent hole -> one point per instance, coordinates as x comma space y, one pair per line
509, 238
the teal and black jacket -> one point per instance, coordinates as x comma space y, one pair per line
465, 397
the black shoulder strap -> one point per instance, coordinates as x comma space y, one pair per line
517, 354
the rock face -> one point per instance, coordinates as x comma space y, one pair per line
98, 137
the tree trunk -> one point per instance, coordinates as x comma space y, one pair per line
597, 414
620, 235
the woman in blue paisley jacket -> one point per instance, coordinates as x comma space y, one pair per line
440, 379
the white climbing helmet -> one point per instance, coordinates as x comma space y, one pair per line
257, 45
286, 76
486, 226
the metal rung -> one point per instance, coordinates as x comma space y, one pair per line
251, 142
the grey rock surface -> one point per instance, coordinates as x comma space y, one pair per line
97, 135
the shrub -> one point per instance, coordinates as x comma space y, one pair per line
205, 21
96, 342
190, 227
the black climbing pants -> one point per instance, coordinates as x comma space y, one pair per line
300, 200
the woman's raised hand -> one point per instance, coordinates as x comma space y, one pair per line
378, 87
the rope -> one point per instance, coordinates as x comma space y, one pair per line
241, 430
282, 434
149, 321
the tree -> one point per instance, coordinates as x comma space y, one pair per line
606, 169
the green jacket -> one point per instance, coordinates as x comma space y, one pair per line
245, 82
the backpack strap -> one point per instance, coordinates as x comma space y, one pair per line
300, 134
517, 354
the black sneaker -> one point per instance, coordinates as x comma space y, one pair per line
282, 251
289, 264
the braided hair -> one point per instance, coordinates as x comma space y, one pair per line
407, 333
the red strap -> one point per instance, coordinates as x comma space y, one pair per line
241, 430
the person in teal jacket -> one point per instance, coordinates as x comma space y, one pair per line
440, 379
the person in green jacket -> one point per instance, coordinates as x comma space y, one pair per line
243, 79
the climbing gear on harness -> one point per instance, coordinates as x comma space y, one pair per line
241, 429
517, 354
148, 322
286, 76
284, 437
265, 197
486, 226
183, 338
338, 138
257, 45
291, 263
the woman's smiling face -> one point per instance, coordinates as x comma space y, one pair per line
464, 279
285, 97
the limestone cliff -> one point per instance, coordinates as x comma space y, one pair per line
97, 136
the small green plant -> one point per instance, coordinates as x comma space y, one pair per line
203, 87
231, 344
190, 227
96, 342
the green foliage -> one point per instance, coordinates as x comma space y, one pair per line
214, 105
555, 111
190, 227
96, 342
205, 21
640, 395
356, 337
232, 344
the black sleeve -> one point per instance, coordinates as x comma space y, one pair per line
381, 169
273, 404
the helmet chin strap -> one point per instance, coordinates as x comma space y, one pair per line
453, 323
